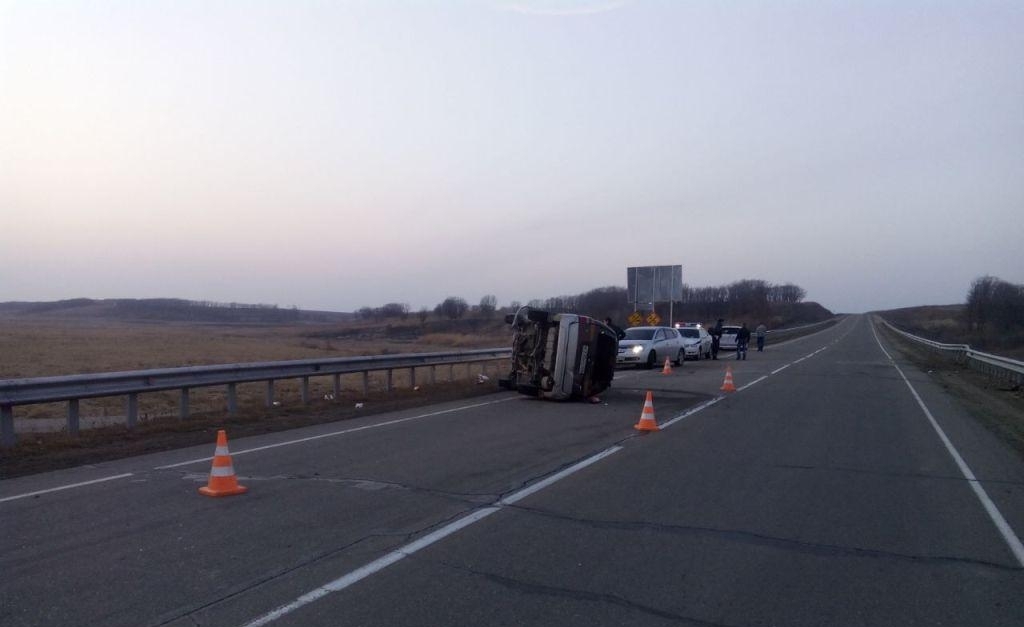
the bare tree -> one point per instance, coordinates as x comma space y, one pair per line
452, 307
488, 304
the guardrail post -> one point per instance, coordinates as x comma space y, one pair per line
390, 379
183, 405
304, 391
412, 377
131, 409
7, 437
337, 386
73, 416
451, 372
270, 392
433, 375
366, 383
232, 399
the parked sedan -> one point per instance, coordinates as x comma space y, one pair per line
646, 346
728, 341
696, 342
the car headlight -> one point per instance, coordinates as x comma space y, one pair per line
637, 350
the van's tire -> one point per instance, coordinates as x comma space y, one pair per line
652, 358
681, 357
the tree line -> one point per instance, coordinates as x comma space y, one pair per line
452, 308
752, 298
994, 305
747, 298
203, 310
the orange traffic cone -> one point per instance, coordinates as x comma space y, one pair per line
647, 421
668, 367
223, 481
727, 385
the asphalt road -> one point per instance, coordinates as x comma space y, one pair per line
820, 493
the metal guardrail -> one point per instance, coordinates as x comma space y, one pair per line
72, 388
803, 326
999, 367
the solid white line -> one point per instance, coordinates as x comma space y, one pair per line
1011, 539
64, 487
401, 553
334, 433
540, 485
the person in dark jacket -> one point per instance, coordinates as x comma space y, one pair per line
619, 333
716, 337
742, 339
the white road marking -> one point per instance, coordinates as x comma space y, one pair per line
373, 567
540, 485
1011, 539
401, 553
754, 382
335, 433
64, 487
691, 411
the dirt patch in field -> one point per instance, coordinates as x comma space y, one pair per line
998, 405
36, 453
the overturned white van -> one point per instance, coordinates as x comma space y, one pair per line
560, 356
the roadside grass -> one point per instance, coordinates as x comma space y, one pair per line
41, 452
997, 405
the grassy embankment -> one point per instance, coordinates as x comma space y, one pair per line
945, 323
996, 404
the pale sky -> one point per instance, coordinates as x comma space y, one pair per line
332, 155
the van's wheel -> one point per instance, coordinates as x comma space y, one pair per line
652, 359
681, 357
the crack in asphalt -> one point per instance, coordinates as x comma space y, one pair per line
281, 572
243, 588
275, 574
909, 475
575, 594
472, 498
751, 538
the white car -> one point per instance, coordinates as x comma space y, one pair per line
647, 346
728, 341
696, 342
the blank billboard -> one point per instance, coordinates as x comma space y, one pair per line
654, 284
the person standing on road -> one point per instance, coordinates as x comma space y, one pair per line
619, 333
716, 337
761, 331
742, 338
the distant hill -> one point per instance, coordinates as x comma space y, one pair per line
166, 310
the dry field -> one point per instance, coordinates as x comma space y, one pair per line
51, 347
